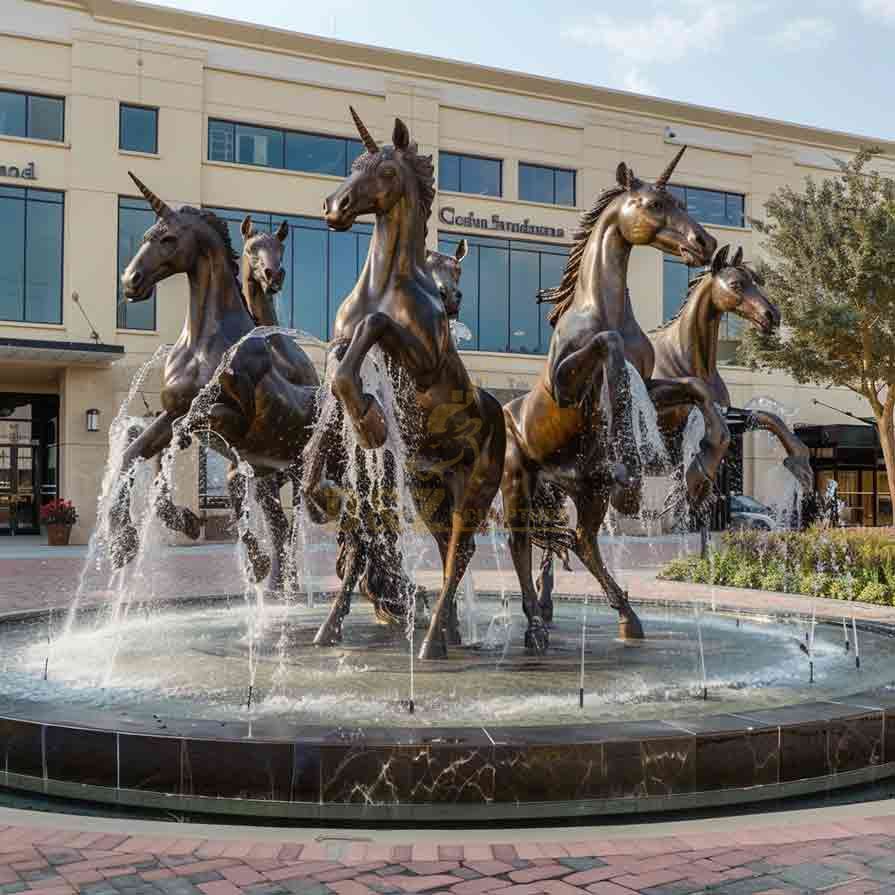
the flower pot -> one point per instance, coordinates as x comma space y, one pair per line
58, 535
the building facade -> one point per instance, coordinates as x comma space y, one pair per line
240, 118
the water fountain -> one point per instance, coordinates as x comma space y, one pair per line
220, 701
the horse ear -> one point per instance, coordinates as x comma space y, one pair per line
400, 135
719, 262
623, 175
737, 258
246, 226
462, 249
282, 231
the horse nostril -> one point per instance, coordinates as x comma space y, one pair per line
135, 278
459, 294
344, 202
268, 273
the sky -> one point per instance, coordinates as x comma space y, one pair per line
826, 63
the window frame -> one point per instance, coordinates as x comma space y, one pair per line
554, 170
28, 94
725, 194
121, 107
154, 298
284, 132
482, 158
25, 199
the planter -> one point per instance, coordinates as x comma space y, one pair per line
58, 535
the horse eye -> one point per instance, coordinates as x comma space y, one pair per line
168, 239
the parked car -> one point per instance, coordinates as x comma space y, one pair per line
747, 512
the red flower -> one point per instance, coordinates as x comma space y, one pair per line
58, 512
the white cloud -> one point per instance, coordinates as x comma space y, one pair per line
662, 37
637, 82
879, 9
809, 33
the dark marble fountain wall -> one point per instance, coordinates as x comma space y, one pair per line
438, 774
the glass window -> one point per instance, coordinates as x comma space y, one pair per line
259, 146
713, 206
213, 470
31, 255
32, 115
539, 183
13, 114
135, 217
276, 148
507, 274
46, 118
675, 281
470, 174
138, 129
221, 136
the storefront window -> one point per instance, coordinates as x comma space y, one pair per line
31, 222
713, 206
500, 282
135, 217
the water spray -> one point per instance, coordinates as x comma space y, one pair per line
845, 633
854, 627
583, 639
705, 688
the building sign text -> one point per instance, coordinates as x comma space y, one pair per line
448, 216
27, 172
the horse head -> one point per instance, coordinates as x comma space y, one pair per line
262, 256
446, 271
172, 245
381, 178
736, 289
649, 214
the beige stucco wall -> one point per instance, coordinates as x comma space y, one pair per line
194, 68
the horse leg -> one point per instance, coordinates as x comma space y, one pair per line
573, 381
460, 548
151, 441
268, 491
352, 559
237, 485
797, 459
518, 488
666, 393
591, 512
544, 586
365, 411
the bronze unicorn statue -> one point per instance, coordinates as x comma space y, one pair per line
455, 431
687, 346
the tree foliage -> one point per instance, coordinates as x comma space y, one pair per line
831, 270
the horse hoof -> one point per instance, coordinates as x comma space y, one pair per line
371, 428
536, 638
328, 635
432, 649
192, 526
629, 627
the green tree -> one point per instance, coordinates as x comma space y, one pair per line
830, 267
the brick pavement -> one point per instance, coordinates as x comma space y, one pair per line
851, 856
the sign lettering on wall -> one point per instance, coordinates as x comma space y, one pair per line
28, 172
447, 215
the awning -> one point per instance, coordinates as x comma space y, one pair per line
64, 353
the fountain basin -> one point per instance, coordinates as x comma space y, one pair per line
496, 734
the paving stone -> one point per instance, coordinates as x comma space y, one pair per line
45, 873
678, 888
390, 870
265, 889
814, 876
750, 886
307, 887
10, 888
466, 873
581, 863
206, 876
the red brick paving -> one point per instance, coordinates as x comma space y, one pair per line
859, 857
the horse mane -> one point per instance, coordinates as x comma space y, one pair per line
219, 227
422, 166
563, 294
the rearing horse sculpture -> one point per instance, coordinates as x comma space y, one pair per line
556, 434
260, 411
688, 346
456, 456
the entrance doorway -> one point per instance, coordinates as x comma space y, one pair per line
29, 465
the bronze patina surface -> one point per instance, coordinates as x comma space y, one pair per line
457, 441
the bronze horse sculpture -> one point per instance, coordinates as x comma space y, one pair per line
446, 271
260, 412
454, 430
558, 439
688, 346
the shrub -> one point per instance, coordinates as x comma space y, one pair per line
58, 512
844, 564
